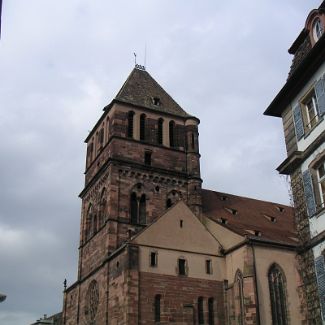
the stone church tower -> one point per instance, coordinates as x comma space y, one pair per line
156, 248
142, 157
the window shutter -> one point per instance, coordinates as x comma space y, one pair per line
320, 95
320, 274
299, 124
309, 193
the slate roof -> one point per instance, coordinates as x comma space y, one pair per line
244, 216
140, 89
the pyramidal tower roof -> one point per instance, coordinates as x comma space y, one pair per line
142, 90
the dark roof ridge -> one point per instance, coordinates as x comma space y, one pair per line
248, 198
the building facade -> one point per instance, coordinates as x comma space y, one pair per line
301, 105
156, 248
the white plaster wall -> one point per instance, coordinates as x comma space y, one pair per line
167, 263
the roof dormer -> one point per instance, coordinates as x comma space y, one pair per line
315, 25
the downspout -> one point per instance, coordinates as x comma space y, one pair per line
258, 318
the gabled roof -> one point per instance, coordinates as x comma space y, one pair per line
140, 89
179, 229
245, 216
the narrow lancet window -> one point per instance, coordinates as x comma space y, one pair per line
210, 311
157, 308
172, 134
278, 296
130, 124
160, 131
134, 208
142, 210
200, 314
142, 127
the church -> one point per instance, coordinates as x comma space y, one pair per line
157, 248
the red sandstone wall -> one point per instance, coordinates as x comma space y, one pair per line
176, 291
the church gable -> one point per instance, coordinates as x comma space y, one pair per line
179, 229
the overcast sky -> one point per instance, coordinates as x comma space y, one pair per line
62, 61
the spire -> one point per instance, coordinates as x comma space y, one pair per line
142, 90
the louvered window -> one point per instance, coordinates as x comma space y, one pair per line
309, 193
308, 112
278, 296
320, 274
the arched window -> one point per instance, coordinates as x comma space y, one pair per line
130, 124
160, 131
239, 298
134, 208
142, 127
172, 134
94, 225
142, 210
278, 296
89, 218
211, 311
200, 314
168, 203
157, 308
102, 208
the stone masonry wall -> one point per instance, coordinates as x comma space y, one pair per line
178, 294
309, 291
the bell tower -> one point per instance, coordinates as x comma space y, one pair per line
142, 157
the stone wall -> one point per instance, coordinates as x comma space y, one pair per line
308, 291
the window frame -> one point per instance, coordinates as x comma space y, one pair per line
321, 183
208, 266
310, 120
278, 295
183, 266
155, 259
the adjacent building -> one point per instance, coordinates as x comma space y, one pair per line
301, 105
156, 248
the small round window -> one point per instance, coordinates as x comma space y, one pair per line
317, 29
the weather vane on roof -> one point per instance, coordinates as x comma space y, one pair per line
138, 66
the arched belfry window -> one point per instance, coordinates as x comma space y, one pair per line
172, 134
277, 286
138, 202
239, 298
160, 131
130, 124
142, 127
134, 208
